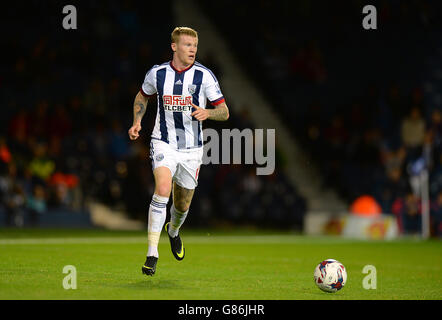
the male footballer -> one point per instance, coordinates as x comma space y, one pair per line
183, 86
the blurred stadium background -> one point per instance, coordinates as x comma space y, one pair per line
357, 114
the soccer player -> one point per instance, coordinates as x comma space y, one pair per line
183, 87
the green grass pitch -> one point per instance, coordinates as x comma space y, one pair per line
246, 265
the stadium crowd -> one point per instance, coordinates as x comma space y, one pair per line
67, 98
354, 98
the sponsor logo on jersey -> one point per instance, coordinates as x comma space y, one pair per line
177, 103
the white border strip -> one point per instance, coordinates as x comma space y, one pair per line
264, 239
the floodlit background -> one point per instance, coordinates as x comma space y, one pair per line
357, 114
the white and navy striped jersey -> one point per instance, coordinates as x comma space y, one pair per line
175, 91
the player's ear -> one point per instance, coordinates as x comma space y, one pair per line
173, 46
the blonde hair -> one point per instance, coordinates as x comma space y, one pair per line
175, 36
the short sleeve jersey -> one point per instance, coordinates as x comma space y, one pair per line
175, 91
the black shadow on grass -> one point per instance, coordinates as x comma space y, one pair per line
152, 284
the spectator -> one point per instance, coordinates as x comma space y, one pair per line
36, 203
411, 214
434, 132
119, 148
41, 166
436, 215
59, 122
19, 127
5, 154
413, 133
40, 120
12, 196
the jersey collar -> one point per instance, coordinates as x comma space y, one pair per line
180, 71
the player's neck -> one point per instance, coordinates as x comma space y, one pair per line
179, 66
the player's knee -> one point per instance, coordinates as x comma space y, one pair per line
163, 189
181, 205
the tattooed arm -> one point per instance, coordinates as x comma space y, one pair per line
220, 113
140, 105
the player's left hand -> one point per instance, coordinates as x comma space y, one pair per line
200, 114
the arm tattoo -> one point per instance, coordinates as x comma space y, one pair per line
139, 108
220, 113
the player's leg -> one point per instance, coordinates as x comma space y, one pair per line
157, 216
157, 208
182, 197
164, 166
185, 182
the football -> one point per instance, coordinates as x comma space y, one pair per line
330, 275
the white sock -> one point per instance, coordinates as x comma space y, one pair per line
157, 216
176, 221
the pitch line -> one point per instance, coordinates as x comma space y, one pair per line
189, 239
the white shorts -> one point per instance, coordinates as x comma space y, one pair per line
184, 165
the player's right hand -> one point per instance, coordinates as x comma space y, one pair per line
134, 131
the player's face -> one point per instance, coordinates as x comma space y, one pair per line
186, 49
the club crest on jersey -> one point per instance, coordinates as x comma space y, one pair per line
192, 88
159, 157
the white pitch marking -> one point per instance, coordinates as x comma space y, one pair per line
245, 239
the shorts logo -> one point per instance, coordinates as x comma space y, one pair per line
192, 88
159, 157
